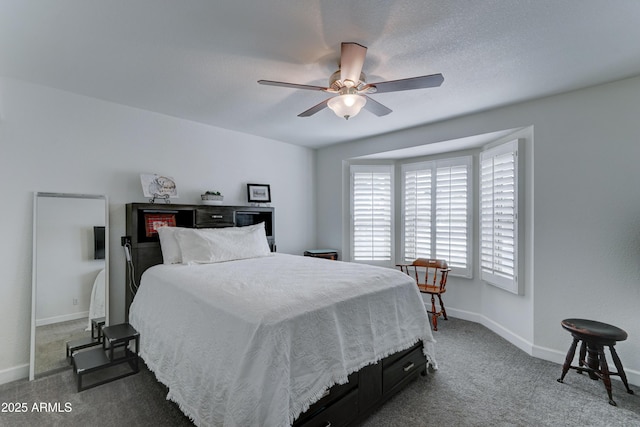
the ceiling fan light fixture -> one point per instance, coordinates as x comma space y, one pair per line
350, 86
347, 105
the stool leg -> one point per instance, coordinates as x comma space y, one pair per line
618, 363
583, 356
567, 361
604, 371
137, 359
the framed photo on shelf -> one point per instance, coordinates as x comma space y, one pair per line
158, 186
259, 193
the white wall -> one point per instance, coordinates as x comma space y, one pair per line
56, 141
584, 228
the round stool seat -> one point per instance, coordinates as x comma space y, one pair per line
592, 330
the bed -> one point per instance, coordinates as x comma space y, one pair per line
274, 339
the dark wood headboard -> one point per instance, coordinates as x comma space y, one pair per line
145, 248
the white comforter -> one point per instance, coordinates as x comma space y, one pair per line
254, 342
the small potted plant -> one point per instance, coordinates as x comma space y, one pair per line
212, 198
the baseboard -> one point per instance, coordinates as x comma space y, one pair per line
63, 318
13, 374
549, 354
494, 327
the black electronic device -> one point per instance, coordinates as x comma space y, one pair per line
98, 242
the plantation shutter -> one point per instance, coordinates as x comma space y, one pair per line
372, 220
499, 216
417, 214
437, 212
452, 215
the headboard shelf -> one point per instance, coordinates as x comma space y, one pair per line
145, 245
181, 218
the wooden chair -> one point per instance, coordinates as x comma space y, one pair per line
425, 272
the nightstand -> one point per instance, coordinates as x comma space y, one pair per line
331, 254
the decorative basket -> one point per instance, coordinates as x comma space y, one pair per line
212, 199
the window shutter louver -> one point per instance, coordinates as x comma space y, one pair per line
499, 216
371, 214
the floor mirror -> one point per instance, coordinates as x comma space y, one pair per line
70, 275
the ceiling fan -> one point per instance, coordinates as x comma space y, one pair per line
351, 87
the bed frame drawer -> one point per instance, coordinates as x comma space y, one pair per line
330, 397
339, 390
218, 217
340, 413
389, 360
405, 367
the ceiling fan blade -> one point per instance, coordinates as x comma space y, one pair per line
318, 107
351, 61
291, 85
375, 107
433, 80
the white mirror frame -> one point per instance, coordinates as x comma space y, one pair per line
34, 264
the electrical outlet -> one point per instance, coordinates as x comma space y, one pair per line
75, 301
124, 240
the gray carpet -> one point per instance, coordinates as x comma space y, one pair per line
51, 343
482, 381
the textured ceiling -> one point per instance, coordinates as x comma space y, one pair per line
200, 60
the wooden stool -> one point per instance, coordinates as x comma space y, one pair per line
594, 336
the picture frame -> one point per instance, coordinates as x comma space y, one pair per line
158, 187
259, 193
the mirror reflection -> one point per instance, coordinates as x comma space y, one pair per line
70, 285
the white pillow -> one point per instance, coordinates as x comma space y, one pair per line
202, 246
171, 253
